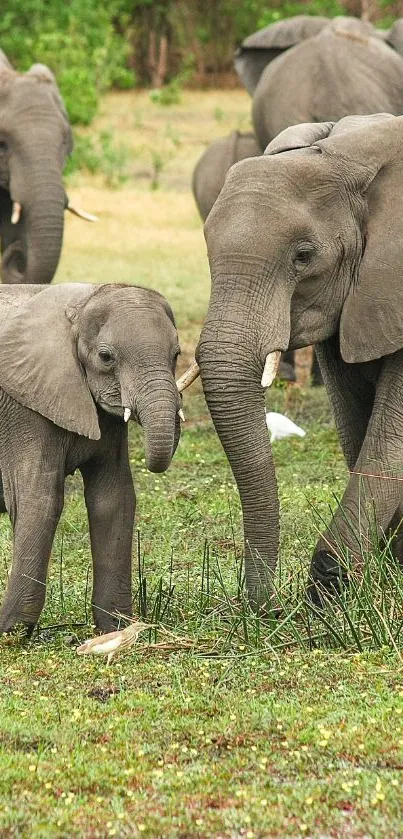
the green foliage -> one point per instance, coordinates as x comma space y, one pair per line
327, 8
77, 40
99, 154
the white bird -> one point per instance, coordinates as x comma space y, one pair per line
280, 426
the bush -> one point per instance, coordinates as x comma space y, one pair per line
77, 40
99, 154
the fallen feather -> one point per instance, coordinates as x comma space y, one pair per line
280, 426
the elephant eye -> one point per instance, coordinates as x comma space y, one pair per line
106, 356
303, 256
3, 147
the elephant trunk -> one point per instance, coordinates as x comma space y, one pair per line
157, 404
231, 375
36, 184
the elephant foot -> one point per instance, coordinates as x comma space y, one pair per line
24, 631
108, 620
327, 578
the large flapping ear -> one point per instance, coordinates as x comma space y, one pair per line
264, 46
368, 152
39, 367
44, 73
301, 136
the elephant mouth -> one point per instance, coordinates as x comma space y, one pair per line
119, 411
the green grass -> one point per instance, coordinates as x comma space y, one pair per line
247, 732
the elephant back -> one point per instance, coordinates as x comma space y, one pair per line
341, 71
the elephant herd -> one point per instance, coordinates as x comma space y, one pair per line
305, 248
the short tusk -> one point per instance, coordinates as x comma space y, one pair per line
15, 216
181, 415
127, 414
80, 213
270, 368
188, 377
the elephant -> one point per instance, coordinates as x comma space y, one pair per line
208, 179
35, 140
308, 69
211, 169
305, 247
77, 361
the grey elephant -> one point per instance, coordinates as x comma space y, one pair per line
305, 246
35, 140
211, 169
308, 69
208, 179
77, 361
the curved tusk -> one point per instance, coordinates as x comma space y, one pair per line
127, 414
270, 368
16, 213
80, 213
188, 377
181, 415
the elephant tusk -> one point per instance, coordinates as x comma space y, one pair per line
80, 213
270, 368
16, 213
127, 414
181, 415
188, 377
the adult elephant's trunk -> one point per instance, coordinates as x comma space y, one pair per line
231, 374
36, 184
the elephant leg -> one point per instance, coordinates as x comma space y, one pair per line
351, 396
110, 501
286, 369
316, 375
3, 508
34, 506
394, 534
372, 496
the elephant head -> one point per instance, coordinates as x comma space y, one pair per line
72, 349
35, 139
304, 243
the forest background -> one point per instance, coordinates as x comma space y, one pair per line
93, 46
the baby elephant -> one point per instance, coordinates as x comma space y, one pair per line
77, 361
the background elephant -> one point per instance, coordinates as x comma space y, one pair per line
305, 246
308, 69
210, 171
35, 139
76, 360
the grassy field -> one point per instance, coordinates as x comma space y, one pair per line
225, 727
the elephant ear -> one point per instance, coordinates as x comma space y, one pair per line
371, 150
301, 136
39, 367
264, 46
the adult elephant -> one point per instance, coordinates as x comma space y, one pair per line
35, 139
305, 247
308, 69
208, 180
